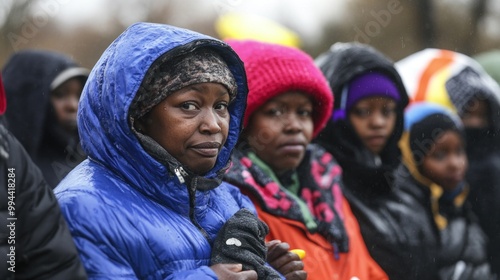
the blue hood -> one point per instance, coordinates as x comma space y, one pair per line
103, 116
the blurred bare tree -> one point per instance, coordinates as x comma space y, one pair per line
35, 24
425, 16
14, 13
401, 27
396, 27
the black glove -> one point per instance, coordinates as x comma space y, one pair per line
241, 240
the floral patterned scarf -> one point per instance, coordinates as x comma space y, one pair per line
318, 203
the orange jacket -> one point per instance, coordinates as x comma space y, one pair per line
320, 262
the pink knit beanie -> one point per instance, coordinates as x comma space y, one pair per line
274, 69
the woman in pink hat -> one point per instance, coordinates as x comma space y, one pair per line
295, 185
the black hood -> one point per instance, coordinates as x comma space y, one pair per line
28, 76
340, 64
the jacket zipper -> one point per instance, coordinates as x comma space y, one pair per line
181, 174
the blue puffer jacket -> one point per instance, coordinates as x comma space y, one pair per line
130, 216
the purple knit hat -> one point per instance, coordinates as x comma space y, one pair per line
365, 85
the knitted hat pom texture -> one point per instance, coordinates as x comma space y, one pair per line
274, 69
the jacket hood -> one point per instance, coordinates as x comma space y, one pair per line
450, 79
28, 76
103, 114
340, 64
344, 61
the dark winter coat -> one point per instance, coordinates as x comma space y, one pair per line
460, 248
30, 116
391, 229
37, 240
484, 177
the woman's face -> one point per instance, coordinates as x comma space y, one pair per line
191, 124
373, 119
446, 162
65, 102
280, 130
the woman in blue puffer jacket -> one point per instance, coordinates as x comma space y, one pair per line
159, 115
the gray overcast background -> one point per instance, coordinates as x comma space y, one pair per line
84, 28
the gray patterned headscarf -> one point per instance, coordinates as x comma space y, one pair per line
168, 75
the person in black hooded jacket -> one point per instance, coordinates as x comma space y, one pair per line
43, 89
368, 90
35, 242
431, 180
